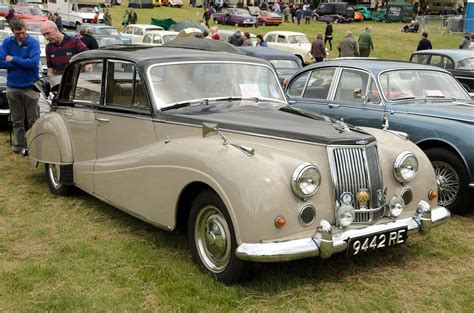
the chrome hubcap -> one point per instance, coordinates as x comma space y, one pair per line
448, 182
54, 173
213, 240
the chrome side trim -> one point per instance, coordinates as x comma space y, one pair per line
471, 185
326, 242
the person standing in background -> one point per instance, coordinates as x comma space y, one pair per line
107, 17
88, 39
60, 48
261, 42
20, 56
125, 18
318, 48
132, 17
59, 21
424, 43
11, 13
348, 46
328, 34
365, 42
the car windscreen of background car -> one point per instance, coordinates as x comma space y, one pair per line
405, 84
192, 81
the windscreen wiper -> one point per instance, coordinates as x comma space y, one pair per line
186, 103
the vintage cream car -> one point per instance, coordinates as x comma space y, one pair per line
291, 42
207, 140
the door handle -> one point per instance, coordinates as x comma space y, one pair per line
333, 105
101, 120
67, 114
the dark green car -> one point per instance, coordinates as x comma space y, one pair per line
423, 101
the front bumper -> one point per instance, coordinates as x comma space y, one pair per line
324, 243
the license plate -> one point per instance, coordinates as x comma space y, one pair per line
359, 245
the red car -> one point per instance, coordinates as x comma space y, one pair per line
25, 13
269, 18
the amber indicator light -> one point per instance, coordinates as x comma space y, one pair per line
280, 222
432, 195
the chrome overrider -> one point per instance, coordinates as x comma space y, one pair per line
324, 242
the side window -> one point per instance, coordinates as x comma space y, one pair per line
441, 61
319, 83
374, 95
88, 84
350, 81
270, 38
297, 86
124, 87
157, 39
138, 32
281, 39
147, 39
128, 30
420, 58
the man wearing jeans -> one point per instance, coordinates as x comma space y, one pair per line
20, 56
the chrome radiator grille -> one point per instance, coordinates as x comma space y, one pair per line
354, 168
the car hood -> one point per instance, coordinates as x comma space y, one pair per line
276, 123
456, 110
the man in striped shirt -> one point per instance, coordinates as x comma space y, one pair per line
60, 48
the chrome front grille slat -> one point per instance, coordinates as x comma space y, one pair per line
354, 168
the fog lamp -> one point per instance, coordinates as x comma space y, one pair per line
396, 206
345, 215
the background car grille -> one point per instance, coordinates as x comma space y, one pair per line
354, 168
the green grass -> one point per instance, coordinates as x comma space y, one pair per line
389, 42
76, 254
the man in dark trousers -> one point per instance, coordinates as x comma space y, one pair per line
88, 39
20, 55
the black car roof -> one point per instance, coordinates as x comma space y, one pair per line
144, 54
268, 53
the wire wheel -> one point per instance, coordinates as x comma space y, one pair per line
213, 239
448, 182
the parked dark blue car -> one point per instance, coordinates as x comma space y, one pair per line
423, 101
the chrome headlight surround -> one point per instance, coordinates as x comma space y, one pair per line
405, 167
307, 215
305, 180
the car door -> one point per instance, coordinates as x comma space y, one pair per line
78, 104
311, 89
356, 99
125, 131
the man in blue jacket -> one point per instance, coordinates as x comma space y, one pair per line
20, 55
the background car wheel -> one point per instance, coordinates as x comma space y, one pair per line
452, 179
211, 239
169, 4
53, 177
264, 24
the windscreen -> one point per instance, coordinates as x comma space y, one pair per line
406, 84
174, 83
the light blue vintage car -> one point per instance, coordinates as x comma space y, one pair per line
423, 101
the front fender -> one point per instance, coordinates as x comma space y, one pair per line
49, 141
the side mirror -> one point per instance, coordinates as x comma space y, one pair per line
43, 86
209, 129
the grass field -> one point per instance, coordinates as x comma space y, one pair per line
76, 254
389, 42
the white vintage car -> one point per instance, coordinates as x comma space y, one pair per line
136, 31
206, 140
291, 42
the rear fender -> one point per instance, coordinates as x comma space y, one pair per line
49, 141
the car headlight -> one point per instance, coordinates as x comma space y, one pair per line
405, 167
306, 180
